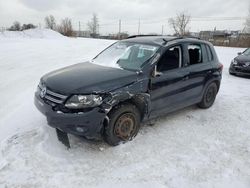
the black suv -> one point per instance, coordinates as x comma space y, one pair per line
131, 81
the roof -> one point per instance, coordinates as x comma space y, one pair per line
159, 40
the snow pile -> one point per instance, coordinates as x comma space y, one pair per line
188, 148
32, 33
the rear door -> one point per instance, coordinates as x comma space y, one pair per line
199, 68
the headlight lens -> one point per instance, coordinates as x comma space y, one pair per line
83, 101
234, 62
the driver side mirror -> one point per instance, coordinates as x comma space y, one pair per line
239, 53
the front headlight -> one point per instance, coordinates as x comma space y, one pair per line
83, 101
234, 62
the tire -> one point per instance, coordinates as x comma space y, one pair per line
209, 96
124, 124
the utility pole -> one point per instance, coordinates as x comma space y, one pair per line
139, 27
120, 26
162, 29
79, 32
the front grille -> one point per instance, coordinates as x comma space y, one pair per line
55, 97
244, 70
243, 64
51, 97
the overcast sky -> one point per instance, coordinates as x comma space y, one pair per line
206, 15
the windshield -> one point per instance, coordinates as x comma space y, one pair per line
247, 52
126, 55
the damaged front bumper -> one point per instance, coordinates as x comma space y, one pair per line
87, 124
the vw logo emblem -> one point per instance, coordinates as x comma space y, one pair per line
247, 64
43, 92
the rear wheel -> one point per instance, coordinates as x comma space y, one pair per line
209, 96
124, 124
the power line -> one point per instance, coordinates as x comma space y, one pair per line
165, 20
162, 23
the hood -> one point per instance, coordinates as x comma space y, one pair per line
242, 58
87, 78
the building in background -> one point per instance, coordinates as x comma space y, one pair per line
226, 38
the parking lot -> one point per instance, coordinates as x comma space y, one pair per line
188, 148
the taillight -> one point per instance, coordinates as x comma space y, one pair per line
220, 67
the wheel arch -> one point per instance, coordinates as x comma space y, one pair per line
140, 101
214, 80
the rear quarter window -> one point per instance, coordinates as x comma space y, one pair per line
209, 53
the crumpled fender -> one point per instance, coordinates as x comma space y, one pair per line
135, 93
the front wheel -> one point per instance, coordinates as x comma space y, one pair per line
209, 96
124, 124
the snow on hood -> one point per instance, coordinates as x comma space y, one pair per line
111, 64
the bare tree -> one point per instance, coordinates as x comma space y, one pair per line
50, 22
66, 28
28, 26
15, 27
93, 26
247, 23
180, 23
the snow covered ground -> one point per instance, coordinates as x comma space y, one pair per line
189, 148
32, 33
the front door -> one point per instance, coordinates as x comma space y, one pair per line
168, 85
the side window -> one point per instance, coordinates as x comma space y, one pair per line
171, 59
195, 54
209, 53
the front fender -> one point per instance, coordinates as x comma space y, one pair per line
135, 93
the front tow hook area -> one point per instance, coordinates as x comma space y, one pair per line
63, 137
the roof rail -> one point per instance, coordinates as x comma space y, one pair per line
186, 37
134, 36
181, 37
192, 37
